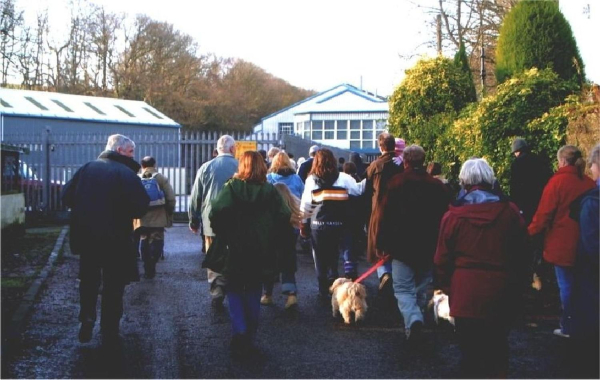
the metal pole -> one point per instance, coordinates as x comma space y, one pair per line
439, 34
482, 71
46, 180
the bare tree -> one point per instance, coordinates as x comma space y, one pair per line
10, 20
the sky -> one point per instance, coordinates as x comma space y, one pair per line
318, 44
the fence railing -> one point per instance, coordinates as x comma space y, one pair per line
54, 158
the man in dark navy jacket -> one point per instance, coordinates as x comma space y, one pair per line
105, 196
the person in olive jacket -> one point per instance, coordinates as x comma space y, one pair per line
247, 216
105, 196
151, 227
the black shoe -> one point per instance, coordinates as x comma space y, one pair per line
85, 332
414, 333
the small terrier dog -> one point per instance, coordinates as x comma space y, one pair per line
348, 297
441, 307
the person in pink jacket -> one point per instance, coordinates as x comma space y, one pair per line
562, 232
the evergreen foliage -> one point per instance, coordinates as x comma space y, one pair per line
462, 61
427, 101
528, 106
536, 34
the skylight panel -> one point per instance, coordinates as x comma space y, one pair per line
124, 111
94, 108
36, 103
5, 104
62, 105
152, 113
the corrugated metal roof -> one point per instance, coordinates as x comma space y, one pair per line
79, 107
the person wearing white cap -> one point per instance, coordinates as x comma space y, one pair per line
307, 165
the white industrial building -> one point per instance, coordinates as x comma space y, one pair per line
344, 117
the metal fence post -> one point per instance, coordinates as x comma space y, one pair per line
46, 179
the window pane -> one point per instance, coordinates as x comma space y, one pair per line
380, 125
354, 144
342, 125
354, 124
355, 135
307, 125
342, 135
367, 144
298, 127
367, 135
317, 135
317, 125
307, 135
329, 124
329, 135
367, 124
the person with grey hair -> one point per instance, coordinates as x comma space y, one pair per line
120, 144
270, 155
410, 214
210, 179
105, 196
481, 264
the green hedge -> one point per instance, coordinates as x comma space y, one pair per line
536, 34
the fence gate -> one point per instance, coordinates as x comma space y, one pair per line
54, 158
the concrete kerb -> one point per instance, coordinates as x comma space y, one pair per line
16, 323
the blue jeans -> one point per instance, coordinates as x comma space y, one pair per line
244, 308
410, 289
564, 277
349, 254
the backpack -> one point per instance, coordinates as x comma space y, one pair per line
157, 196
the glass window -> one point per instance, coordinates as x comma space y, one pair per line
307, 135
368, 124
380, 125
355, 135
354, 124
342, 135
367, 135
329, 125
367, 144
145, 109
329, 135
317, 135
298, 127
354, 144
317, 125
307, 126
342, 125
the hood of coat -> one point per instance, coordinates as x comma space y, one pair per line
127, 161
148, 172
251, 194
285, 172
480, 209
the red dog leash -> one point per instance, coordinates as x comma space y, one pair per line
373, 268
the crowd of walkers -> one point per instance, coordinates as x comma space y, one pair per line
475, 244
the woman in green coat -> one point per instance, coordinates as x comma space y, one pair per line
246, 217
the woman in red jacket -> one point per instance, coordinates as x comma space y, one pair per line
480, 262
562, 232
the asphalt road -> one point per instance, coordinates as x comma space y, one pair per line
170, 331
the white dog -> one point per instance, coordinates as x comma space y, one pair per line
348, 297
441, 307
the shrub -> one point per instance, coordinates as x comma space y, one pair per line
536, 34
521, 107
432, 92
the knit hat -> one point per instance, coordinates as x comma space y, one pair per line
400, 145
518, 144
313, 149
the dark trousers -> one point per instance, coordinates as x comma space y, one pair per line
326, 254
91, 277
484, 347
152, 243
244, 307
